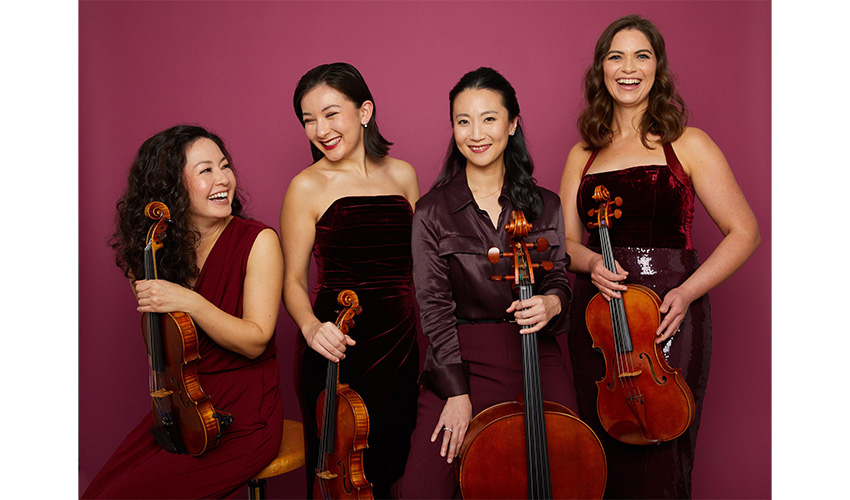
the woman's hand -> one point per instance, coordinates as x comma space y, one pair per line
674, 307
536, 311
327, 340
161, 296
606, 281
453, 422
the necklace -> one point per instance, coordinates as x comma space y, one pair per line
489, 195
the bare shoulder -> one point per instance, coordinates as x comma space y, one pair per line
695, 149
399, 169
578, 156
405, 176
576, 160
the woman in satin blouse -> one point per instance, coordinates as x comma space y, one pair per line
474, 357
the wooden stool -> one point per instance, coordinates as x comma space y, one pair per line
289, 457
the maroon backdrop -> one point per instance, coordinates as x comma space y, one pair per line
232, 67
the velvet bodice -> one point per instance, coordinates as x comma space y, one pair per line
658, 204
364, 241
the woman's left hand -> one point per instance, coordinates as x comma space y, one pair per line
536, 311
161, 296
674, 307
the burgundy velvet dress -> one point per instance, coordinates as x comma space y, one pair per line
652, 241
363, 244
249, 388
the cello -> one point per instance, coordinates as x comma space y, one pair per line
563, 456
185, 420
641, 400
343, 421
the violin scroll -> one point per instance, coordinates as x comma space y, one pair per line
348, 299
604, 213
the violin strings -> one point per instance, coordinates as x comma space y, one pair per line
619, 322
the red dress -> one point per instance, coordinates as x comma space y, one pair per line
652, 241
249, 388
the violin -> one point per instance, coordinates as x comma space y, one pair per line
529, 448
641, 400
185, 420
343, 421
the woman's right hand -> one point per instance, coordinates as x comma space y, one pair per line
607, 282
327, 340
453, 423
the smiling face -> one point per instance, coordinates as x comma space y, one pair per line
209, 180
629, 67
482, 126
333, 123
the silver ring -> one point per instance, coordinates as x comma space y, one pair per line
447, 429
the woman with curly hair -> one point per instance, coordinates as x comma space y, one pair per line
224, 271
636, 143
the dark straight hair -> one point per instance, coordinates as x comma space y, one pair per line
345, 79
519, 167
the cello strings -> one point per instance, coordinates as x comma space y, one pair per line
539, 485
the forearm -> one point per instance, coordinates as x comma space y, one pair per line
582, 259
727, 257
297, 303
239, 335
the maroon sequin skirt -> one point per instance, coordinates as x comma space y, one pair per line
653, 471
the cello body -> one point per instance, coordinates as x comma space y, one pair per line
343, 423
641, 400
563, 457
185, 420
493, 448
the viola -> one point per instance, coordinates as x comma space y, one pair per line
563, 457
343, 421
641, 400
185, 420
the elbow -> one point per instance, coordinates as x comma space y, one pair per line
254, 351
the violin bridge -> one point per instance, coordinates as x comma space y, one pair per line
631, 374
325, 475
161, 393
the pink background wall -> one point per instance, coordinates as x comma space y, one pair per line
232, 67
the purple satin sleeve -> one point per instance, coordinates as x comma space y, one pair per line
443, 370
555, 282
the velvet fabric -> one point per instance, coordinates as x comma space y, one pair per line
363, 244
652, 241
249, 388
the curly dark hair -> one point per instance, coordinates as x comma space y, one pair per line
157, 175
519, 167
345, 79
666, 114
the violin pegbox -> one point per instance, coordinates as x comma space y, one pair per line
348, 299
604, 213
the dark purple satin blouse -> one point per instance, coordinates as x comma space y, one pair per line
450, 239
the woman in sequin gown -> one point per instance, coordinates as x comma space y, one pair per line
352, 209
636, 144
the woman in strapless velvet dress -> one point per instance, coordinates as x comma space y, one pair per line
352, 210
636, 144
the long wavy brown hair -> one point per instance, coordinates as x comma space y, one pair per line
666, 114
156, 174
